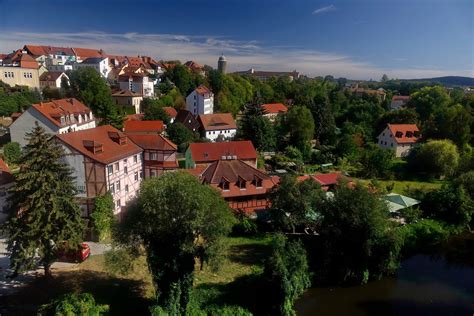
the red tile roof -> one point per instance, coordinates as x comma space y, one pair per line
54, 109
134, 117
203, 152
6, 175
325, 179
401, 98
51, 76
143, 126
22, 59
217, 121
48, 50
202, 90
101, 144
193, 65
232, 171
274, 108
170, 111
126, 93
405, 133
84, 53
152, 142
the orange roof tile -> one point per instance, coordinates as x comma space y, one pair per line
405, 133
152, 142
217, 121
202, 90
272, 108
54, 109
143, 126
84, 53
134, 117
202, 152
103, 137
170, 111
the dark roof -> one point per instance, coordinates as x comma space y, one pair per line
187, 119
51, 75
217, 121
93, 60
152, 142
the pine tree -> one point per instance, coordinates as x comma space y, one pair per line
44, 211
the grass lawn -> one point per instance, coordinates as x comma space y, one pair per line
132, 294
403, 186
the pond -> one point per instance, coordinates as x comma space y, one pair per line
440, 283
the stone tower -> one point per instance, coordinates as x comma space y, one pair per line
222, 64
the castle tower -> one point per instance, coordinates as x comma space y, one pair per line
222, 64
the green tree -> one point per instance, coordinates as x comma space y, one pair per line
73, 304
376, 161
299, 125
44, 210
452, 123
358, 243
89, 87
257, 128
286, 275
153, 110
180, 135
176, 219
437, 158
103, 216
295, 204
12, 152
52, 93
429, 100
401, 116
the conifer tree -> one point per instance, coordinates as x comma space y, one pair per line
44, 211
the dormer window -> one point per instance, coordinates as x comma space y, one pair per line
62, 120
409, 134
225, 185
242, 184
258, 182
398, 134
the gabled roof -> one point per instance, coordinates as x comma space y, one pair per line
134, 117
54, 109
126, 93
272, 108
84, 53
170, 111
143, 126
153, 142
401, 98
93, 60
39, 50
24, 60
202, 90
217, 121
6, 175
100, 137
405, 133
204, 152
398, 202
187, 119
326, 179
51, 75
193, 65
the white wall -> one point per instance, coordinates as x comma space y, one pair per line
213, 135
200, 104
387, 140
26, 122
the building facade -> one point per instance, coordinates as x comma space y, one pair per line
52, 79
217, 127
100, 64
399, 137
137, 82
200, 101
127, 98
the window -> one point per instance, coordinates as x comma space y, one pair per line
242, 184
136, 176
125, 161
110, 169
258, 182
111, 188
117, 166
153, 156
152, 173
118, 204
126, 188
117, 186
125, 169
135, 159
224, 184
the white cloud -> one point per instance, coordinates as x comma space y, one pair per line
324, 9
241, 55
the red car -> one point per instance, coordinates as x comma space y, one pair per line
79, 254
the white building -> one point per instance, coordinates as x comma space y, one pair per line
100, 64
52, 79
103, 160
56, 117
399, 137
68, 66
127, 98
200, 101
218, 126
137, 82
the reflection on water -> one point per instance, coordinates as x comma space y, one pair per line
440, 284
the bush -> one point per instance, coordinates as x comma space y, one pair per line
245, 226
103, 216
73, 304
424, 234
12, 152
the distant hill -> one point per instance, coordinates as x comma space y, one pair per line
447, 81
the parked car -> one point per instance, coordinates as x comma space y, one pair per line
74, 254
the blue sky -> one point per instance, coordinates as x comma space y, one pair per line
358, 39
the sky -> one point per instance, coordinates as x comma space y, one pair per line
356, 39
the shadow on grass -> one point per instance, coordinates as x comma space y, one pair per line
249, 254
125, 297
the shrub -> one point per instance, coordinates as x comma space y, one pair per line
12, 152
73, 304
424, 234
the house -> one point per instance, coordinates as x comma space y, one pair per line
68, 66
20, 69
399, 102
137, 82
399, 137
271, 110
6, 182
219, 126
159, 153
200, 101
56, 117
244, 187
194, 66
134, 117
265, 75
128, 98
328, 181
172, 113
84, 53
103, 160
143, 127
52, 79
188, 120
361, 91
203, 154
100, 64
51, 55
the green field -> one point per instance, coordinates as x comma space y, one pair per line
402, 187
